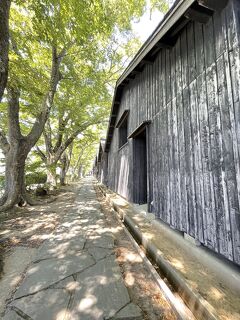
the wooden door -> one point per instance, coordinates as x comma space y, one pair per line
140, 168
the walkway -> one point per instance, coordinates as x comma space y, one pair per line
75, 275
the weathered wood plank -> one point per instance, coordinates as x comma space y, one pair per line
192, 95
228, 171
191, 53
183, 57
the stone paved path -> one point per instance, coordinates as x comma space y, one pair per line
75, 275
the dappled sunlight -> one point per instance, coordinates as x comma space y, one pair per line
177, 264
87, 303
216, 294
15, 281
74, 273
33, 269
61, 315
148, 235
193, 284
3, 232
129, 278
72, 286
116, 230
133, 257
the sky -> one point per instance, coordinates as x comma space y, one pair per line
146, 25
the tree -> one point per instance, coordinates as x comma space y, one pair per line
45, 37
4, 44
83, 154
17, 146
77, 107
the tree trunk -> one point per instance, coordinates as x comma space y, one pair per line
15, 191
64, 168
16, 146
63, 176
4, 43
80, 171
51, 175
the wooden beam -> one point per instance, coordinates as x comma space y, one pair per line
160, 45
179, 27
136, 72
139, 129
215, 5
145, 61
128, 78
198, 16
122, 118
158, 34
163, 45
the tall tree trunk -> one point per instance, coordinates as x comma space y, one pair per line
16, 146
51, 175
64, 169
4, 44
80, 171
15, 191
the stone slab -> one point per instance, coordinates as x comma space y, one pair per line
129, 312
101, 293
45, 305
46, 272
101, 241
68, 284
11, 315
14, 265
99, 253
60, 248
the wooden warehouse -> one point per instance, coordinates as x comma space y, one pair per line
173, 139
100, 165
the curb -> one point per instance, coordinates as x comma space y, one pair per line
200, 308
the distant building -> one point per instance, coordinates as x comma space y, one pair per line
100, 166
173, 138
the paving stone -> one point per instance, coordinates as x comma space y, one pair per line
49, 304
68, 284
60, 248
101, 293
11, 315
46, 272
130, 312
102, 241
99, 253
97, 288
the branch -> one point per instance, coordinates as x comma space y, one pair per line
80, 155
47, 141
61, 128
63, 147
4, 44
41, 154
47, 134
39, 124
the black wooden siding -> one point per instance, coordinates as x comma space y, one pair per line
191, 94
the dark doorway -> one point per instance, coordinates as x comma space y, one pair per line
140, 167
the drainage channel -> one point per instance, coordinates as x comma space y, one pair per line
186, 303
181, 310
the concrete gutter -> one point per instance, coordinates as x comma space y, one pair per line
179, 307
200, 308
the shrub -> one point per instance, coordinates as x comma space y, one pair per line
36, 178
